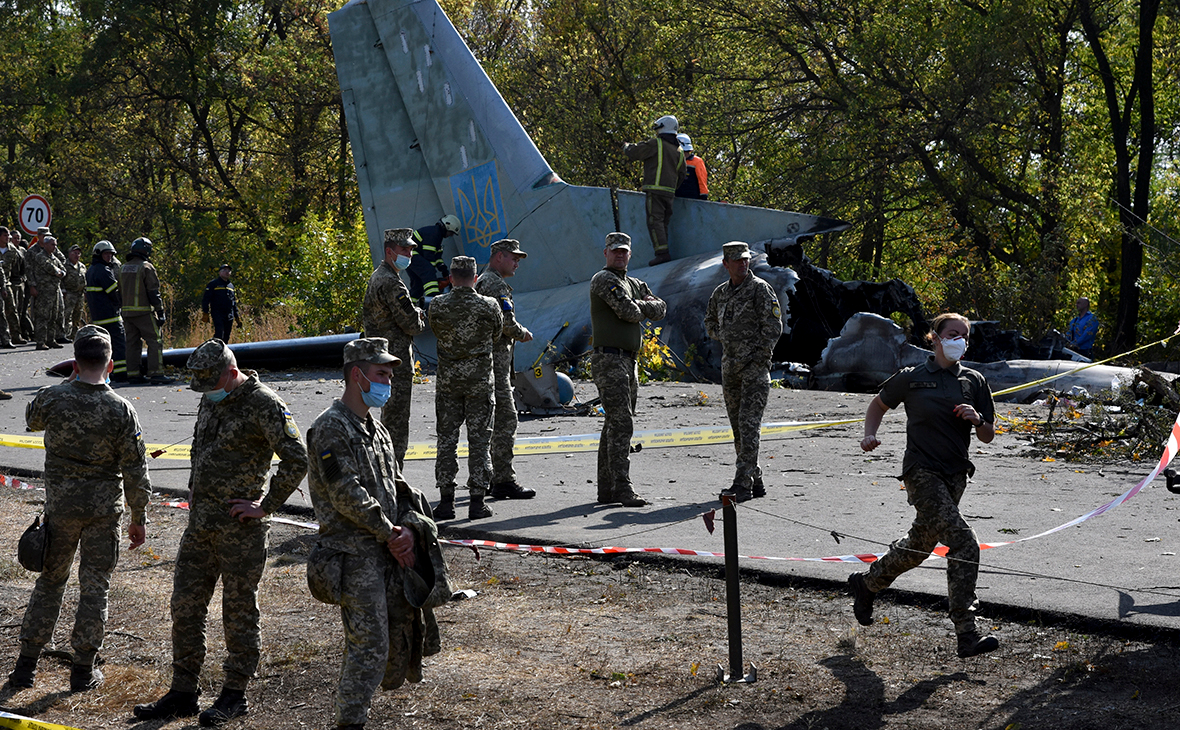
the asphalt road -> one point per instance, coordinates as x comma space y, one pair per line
1117, 567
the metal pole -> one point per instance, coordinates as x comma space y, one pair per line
733, 598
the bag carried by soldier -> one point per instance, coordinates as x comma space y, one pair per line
325, 574
33, 546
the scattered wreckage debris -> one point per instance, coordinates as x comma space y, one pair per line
870, 348
1127, 420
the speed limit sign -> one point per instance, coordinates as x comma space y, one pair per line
34, 213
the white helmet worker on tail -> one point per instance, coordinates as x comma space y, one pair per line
428, 272
663, 171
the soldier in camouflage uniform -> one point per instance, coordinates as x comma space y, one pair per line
12, 261
352, 473
47, 274
618, 305
94, 460
745, 317
5, 304
943, 402
388, 312
505, 258
467, 326
73, 289
22, 292
240, 423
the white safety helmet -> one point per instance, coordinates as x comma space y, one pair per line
685, 142
451, 223
666, 125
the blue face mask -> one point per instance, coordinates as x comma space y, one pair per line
401, 263
217, 395
378, 393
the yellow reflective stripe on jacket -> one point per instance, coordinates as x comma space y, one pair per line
112, 320
660, 168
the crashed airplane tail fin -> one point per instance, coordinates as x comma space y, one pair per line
431, 135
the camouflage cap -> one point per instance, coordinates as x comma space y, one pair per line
463, 265
225, 266
508, 245
208, 362
400, 237
369, 349
43, 231
75, 247
91, 330
735, 251
617, 240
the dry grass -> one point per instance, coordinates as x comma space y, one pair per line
274, 323
578, 643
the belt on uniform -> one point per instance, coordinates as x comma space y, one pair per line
615, 351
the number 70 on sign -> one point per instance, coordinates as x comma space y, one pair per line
34, 213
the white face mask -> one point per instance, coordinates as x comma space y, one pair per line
401, 263
954, 348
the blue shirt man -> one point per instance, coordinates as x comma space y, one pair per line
1082, 329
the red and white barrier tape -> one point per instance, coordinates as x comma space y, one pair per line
1170, 451
15, 483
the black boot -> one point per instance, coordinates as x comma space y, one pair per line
476, 509
862, 603
24, 673
662, 257
972, 644
85, 677
511, 490
759, 487
445, 509
173, 704
232, 703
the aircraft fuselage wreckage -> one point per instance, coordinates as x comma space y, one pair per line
432, 136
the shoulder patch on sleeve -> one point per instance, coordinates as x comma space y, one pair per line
506, 303
290, 428
331, 467
776, 310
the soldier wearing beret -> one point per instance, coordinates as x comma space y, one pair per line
240, 424
467, 325
221, 301
94, 460
390, 313
745, 317
506, 257
379, 530
618, 306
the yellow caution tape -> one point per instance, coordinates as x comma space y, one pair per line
36, 442
1087, 366
19, 722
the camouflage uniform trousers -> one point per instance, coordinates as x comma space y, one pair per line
98, 540
746, 390
26, 319
936, 498
5, 308
476, 408
73, 301
12, 298
395, 414
63, 326
140, 328
504, 422
379, 630
236, 553
46, 314
617, 380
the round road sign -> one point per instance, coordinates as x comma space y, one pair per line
34, 213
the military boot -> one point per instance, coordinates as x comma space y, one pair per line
476, 509
628, 498
972, 644
85, 677
232, 703
173, 704
445, 509
759, 487
511, 490
606, 495
862, 599
740, 493
662, 257
23, 674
